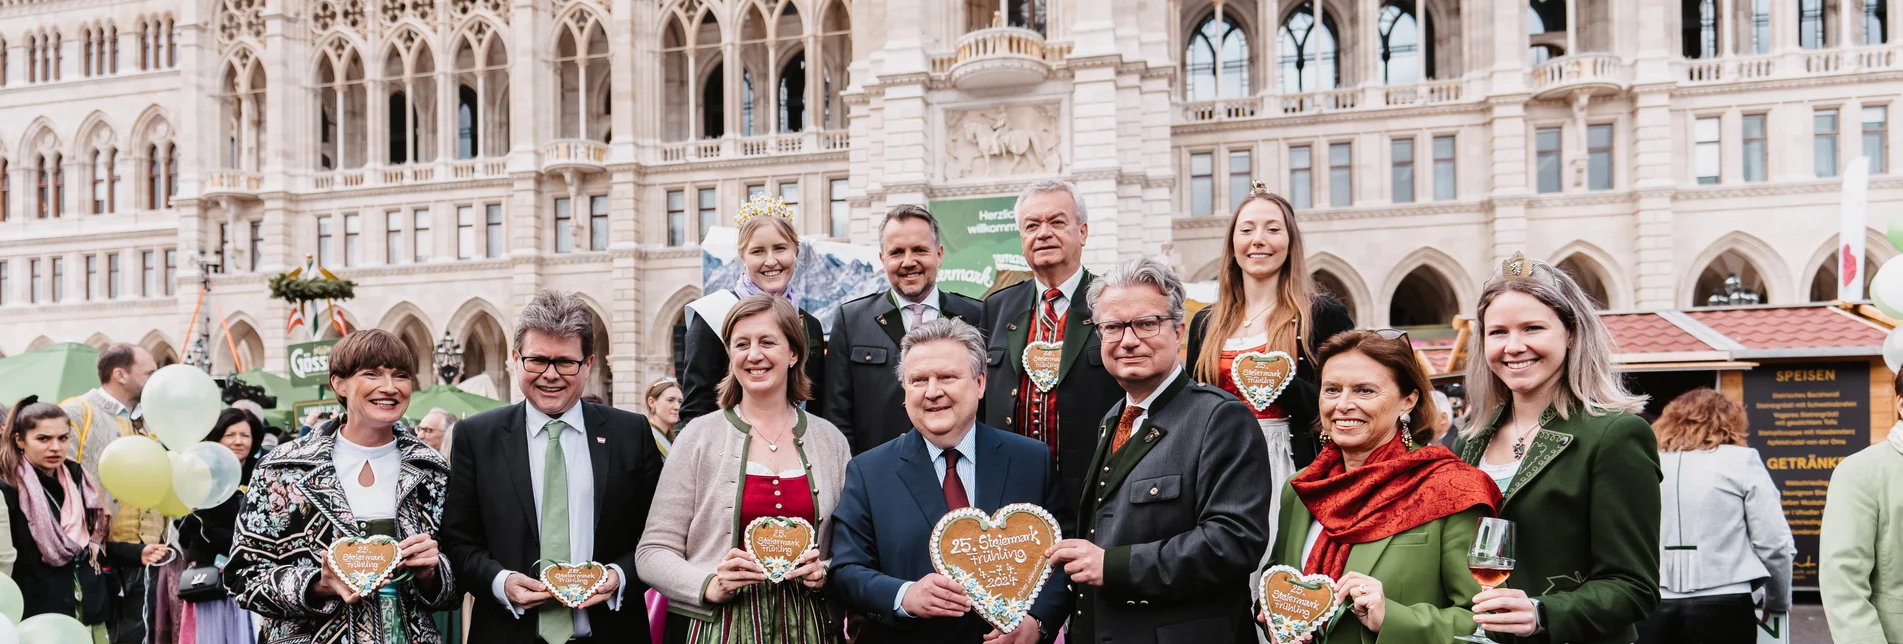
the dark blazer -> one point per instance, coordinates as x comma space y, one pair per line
884, 521
1301, 400
1586, 506
863, 397
490, 523
1182, 517
1084, 389
51, 589
705, 364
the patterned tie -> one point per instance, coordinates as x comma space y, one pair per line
1125, 423
1047, 316
556, 624
918, 315
954, 487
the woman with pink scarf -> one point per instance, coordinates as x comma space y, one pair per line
58, 519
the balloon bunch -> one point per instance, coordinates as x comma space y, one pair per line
49, 628
1886, 291
181, 405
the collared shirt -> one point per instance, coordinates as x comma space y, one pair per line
930, 313
967, 449
1151, 399
581, 500
1068, 288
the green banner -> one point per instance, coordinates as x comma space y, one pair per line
981, 238
310, 363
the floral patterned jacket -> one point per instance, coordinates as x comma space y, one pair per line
294, 509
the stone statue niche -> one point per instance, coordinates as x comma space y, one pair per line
1003, 141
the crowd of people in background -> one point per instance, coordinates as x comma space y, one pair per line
1095, 396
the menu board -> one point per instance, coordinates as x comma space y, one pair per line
1805, 418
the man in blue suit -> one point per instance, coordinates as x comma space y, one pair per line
895, 494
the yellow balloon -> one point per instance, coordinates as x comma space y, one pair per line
171, 506
136, 470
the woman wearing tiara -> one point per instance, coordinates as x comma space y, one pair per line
770, 250
1268, 303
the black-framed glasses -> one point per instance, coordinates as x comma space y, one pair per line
1395, 334
540, 365
1146, 327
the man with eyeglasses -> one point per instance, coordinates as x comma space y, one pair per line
550, 480
1176, 504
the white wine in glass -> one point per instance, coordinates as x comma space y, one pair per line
1491, 562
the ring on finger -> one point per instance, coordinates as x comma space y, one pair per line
1360, 590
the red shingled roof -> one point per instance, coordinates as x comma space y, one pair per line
1805, 327
1649, 333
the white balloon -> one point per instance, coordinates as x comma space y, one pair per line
8, 634
205, 474
1886, 289
1893, 349
181, 404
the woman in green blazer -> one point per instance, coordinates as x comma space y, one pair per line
1580, 471
1388, 519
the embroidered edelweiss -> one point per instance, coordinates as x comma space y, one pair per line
762, 204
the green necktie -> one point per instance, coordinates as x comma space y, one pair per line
556, 622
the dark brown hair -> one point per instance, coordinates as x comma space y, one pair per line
114, 358
232, 416
1398, 356
26, 415
1291, 321
1700, 419
799, 389
370, 349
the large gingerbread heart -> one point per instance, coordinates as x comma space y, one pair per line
777, 542
1295, 604
1042, 360
572, 584
1260, 377
364, 563
998, 559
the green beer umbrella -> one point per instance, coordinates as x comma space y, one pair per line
450, 399
54, 373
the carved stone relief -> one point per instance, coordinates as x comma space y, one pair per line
1003, 140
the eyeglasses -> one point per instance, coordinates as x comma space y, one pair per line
1146, 327
1395, 334
563, 366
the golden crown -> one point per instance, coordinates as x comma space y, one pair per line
1515, 266
762, 204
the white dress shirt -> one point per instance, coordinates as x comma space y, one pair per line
1068, 288
930, 302
581, 501
967, 449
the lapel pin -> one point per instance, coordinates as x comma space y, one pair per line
1152, 436
881, 319
601, 439
1013, 326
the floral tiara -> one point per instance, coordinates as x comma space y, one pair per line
762, 204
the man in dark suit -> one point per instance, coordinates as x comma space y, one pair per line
550, 480
1061, 398
896, 493
1175, 515
861, 395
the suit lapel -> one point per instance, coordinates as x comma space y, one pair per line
1143, 438
1545, 445
513, 445
891, 319
1077, 326
944, 307
921, 479
598, 454
994, 468
1294, 533
1362, 556
1018, 332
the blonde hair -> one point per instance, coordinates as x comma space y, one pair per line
1291, 320
799, 388
1590, 383
752, 226
1701, 419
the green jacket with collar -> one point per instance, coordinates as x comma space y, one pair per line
1585, 505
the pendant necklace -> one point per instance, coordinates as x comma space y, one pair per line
1519, 446
772, 444
1250, 321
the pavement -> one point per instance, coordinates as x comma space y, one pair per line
1808, 625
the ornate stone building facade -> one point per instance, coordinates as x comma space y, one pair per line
453, 156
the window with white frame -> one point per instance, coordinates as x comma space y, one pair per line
1301, 176
1401, 153
1444, 186
1202, 183
1876, 129
1824, 142
1706, 158
1546, 142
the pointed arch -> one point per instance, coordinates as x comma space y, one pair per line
39, 343
153, 124
478, 326
98, 341
40, 137
1824, 265
1602, 266
330, 330
160, 347
404, 309
1775, 276
1354, 288
660, 333
95, 132
582, 62
1217, 57
1439, 266
245, 337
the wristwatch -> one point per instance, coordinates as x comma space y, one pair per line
1539, 616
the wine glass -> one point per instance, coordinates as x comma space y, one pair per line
1491, 561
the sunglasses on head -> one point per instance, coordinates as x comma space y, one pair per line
1394, 334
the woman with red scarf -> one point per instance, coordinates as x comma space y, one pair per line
1388, 519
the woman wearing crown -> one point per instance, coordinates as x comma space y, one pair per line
769, 250
1267, 304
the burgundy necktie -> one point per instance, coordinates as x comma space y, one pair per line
954, 487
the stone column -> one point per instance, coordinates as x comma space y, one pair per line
1653, 144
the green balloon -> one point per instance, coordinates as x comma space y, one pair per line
12, 605
53, 628
1895, 232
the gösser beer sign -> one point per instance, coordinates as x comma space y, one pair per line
310, 363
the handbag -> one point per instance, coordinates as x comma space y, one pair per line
201, 584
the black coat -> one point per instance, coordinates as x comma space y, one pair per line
705, 365
50, 589
863, 396
1302, 399
490, 523
206, 533
1084, 389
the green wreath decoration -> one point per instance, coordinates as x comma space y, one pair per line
297, 289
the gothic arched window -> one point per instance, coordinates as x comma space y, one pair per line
1308, 53
1217, 59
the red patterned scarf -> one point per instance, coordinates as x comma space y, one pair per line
1394, 491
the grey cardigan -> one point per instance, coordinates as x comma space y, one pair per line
1722, 524
691, 525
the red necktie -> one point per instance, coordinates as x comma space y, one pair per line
1125, 423
954, 487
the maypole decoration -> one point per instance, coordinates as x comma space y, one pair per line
309, 284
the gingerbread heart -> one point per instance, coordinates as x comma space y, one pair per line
1261, 376
1042, 361
1295, 604
777, 542
999, 559
573, 584
364, 563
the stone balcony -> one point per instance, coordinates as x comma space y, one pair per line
1571, 75
1338, 100
580, 156
751, 147
409, 174
1796, 64
236, 184
999, 57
